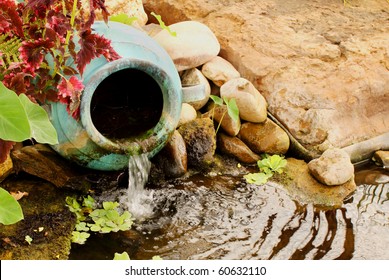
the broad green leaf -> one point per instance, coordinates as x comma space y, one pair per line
82, 227
10, 210
121, 257
232, 109
216, 99
79, 237
109, 205
163, 25
274, 163
257, 178
14, 125
123, 18
41, 128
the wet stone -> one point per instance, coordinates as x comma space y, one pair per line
235, 147
382, 158
303, 187
200, 139
172, 159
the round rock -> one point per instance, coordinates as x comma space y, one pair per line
193, 45
219, 71
332, 168
252, 105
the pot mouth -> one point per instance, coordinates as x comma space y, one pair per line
130, 106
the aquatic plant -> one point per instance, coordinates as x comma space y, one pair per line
268, 165
102, 220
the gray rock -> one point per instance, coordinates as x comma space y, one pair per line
266, 137
193, 77
332, 168
235, 147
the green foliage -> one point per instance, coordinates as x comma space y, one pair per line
104, 220
121, 257
163, 25
123, 18
10, 210
268, 166
232, 108
272, 164
21, 119
9, 50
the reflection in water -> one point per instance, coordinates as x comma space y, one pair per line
205, 220
223, 218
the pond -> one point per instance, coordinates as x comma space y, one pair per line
221, 217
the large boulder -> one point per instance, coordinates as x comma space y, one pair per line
322, 66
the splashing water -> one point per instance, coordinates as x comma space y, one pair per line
138, 200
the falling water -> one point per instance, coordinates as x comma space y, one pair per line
138, 200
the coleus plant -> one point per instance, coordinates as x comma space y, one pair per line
45, 46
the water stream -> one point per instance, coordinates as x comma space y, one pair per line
221, 217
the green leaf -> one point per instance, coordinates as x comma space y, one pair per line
271, 164
163, 25
82, 227
121, 257
41, 128
14, 125
89, 202
28, 239
232, 109
109, 205
257, 178
10, 210
216, 99
123, 18
79, 237
95, 228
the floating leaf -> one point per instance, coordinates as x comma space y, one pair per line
79, 237
10, 210
257, 178
121, 257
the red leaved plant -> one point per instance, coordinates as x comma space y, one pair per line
46, 61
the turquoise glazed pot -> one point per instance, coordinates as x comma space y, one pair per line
129, 106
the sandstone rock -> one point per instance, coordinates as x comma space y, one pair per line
219, 71
235, 147
252, 105
319, 73
266, 137
333, 167
193, 77
382, 158
228, 125
172, 159
41, 161
303, 187
188, 113
200, 139
194, 44
5, 168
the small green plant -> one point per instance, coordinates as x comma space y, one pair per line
10, 210
232, 108
163, 25
123, 18
28, 239
268, 166
104, 220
